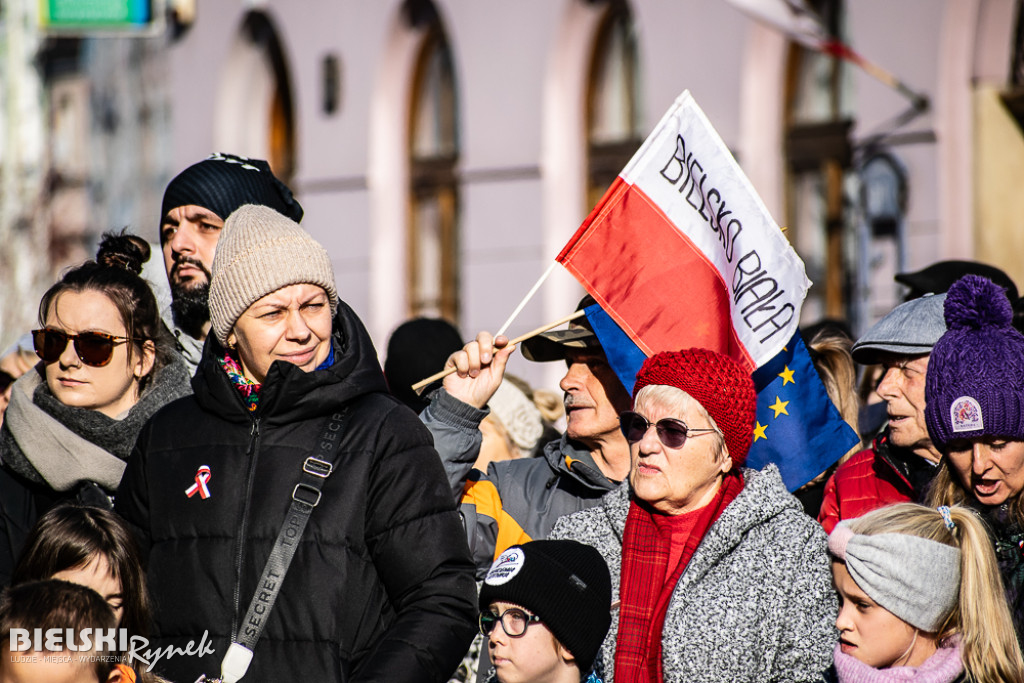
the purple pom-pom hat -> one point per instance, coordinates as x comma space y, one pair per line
975, 381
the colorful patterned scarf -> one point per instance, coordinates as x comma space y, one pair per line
644, 590
251, 390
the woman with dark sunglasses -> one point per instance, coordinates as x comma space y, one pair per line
720, 574
106, 366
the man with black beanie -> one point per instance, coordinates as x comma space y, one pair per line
196, 203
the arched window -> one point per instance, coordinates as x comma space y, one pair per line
613, 111
256, 73
819, 156
433, 276
1017, 55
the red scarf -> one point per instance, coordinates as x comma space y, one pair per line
644, 590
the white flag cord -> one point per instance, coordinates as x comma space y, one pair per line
526, 299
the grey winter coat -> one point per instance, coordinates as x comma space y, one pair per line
755, 603
515, 501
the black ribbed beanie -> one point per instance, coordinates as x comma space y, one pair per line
565, 583
224, 182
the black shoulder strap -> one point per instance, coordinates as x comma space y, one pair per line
305, 498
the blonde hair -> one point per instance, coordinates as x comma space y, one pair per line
947, 489
675, 399
989, 647
548, 402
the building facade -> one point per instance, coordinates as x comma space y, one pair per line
445, 150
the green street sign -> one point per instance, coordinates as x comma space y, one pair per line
82, 16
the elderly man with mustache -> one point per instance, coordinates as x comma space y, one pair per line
516, 501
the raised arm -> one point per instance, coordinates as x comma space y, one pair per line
456, 410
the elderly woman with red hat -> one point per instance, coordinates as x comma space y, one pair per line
720, 574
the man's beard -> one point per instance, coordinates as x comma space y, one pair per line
190, 302
190, 308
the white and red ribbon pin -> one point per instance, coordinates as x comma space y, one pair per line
202, 476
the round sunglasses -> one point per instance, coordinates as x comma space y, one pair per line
671, 432
513, 621
93, 348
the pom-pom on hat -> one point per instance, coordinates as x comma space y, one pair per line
565, 583
259, 252
717, 382
223, 182
975, 381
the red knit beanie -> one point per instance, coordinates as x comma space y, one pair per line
717, 382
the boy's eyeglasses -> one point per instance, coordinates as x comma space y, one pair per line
513, 620
6, 380
671, 432
93, 348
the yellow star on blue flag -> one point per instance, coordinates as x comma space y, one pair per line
779, 407
759, 431
798, 426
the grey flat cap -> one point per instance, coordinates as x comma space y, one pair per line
910, 329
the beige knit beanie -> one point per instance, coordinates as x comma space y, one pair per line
259, 252
518, 415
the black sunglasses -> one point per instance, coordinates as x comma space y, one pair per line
671, 432
93, 348
6, 380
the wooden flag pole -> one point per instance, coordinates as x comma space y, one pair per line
518, 340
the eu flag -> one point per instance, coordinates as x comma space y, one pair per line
798, 427
624, 356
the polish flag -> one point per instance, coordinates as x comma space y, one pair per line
681, 251
792, 17
798, 22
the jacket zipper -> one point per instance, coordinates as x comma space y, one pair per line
252, 451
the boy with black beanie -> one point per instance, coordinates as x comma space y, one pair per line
546, 608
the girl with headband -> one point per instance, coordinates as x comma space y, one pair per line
920, 599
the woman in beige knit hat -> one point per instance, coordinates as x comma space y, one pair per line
290, 403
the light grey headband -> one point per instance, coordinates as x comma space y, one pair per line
916, 579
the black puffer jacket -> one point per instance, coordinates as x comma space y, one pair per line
381, 587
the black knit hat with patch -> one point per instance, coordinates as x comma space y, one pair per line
565, 583
223, 182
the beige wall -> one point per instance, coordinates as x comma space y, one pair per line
998, 185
